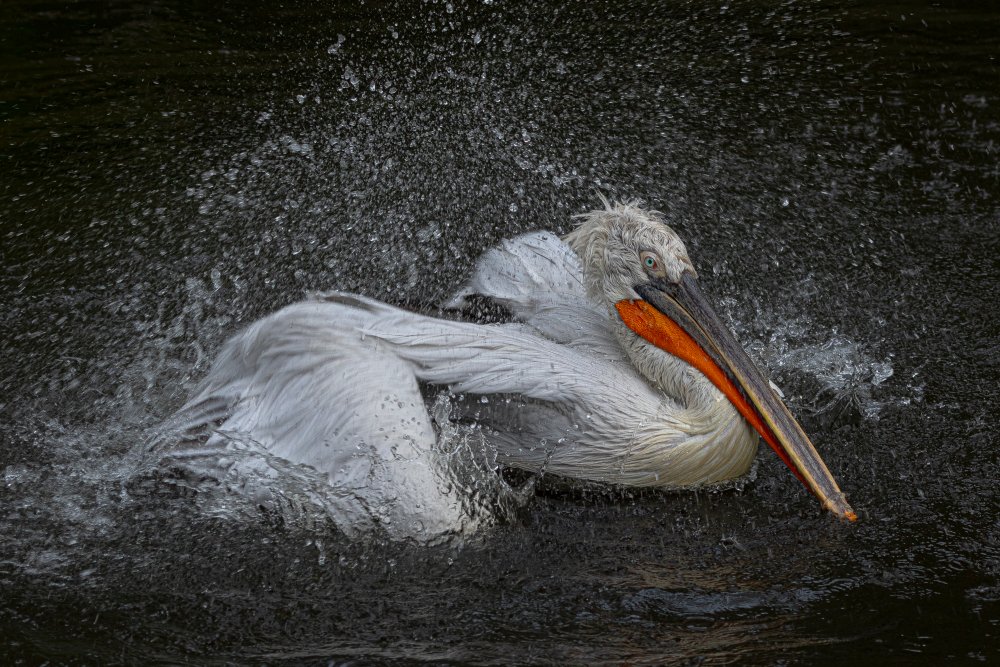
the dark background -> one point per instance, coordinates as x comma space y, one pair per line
170, 171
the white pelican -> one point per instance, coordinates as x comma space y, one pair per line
621, 371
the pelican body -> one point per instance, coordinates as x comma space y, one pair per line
619, 369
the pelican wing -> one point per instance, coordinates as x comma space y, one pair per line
333, 383
519, 269
539, 279
307, 386
503, 359
306, 374
318, 377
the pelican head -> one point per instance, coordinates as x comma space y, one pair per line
639, 267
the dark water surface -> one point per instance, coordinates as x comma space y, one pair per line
170, 171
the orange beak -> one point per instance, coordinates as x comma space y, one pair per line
676, 318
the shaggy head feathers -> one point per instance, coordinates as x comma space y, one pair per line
609, 242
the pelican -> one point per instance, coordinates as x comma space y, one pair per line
619, 370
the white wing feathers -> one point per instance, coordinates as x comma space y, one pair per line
540, 280
311, 388
522, 268
499, 359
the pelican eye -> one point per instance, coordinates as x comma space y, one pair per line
651, 262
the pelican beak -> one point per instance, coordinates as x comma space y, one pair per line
676, 318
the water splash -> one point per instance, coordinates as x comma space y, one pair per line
830, 374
